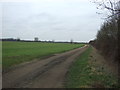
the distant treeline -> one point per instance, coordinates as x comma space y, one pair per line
12, 39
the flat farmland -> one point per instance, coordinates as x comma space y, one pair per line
14, 53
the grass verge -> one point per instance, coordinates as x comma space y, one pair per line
86, 73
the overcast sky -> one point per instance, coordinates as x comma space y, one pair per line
59, 20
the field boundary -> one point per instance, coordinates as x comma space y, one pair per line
90, 70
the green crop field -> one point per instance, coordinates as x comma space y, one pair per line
17, 52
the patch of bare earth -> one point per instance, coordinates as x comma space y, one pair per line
46, 73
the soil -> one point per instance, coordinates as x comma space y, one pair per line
46, 73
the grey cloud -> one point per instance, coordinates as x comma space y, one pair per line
58, 21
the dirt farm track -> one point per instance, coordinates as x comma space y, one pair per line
47, 73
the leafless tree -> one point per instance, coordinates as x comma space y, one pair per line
107, 36
112, 6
